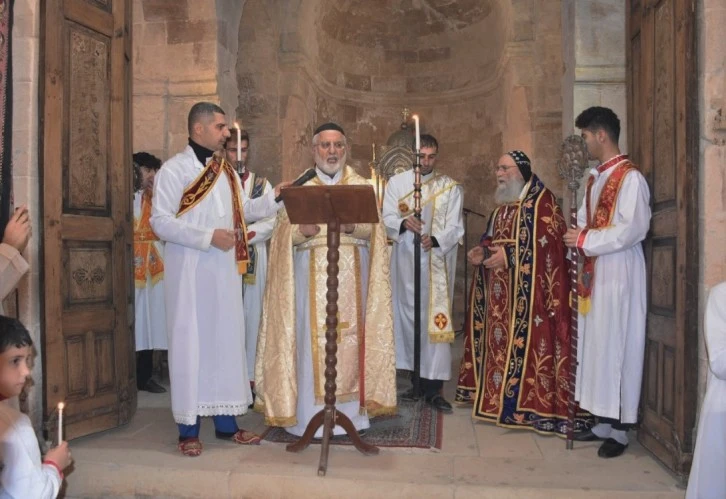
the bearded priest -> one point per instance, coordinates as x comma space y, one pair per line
516, 364
290, 366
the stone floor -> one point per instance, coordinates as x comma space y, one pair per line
477, 460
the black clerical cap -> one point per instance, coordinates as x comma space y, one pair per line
523, 163
329, 126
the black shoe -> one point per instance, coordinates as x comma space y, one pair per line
409, 395
439, 403
254, 396
611, 448
586, 436
153, 387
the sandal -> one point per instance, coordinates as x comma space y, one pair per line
244, 437
191, 447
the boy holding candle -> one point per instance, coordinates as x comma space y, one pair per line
23, 473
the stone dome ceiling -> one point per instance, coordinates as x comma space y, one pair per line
388, 23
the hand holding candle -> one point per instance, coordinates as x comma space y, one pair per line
418, 133
61, 406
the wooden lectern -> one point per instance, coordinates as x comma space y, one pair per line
333, 205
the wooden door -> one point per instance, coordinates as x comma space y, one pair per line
86, 180
663, 124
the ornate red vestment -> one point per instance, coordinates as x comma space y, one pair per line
516, 363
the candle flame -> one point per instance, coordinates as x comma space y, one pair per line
236, 125
61, 405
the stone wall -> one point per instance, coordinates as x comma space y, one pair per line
184, 51
594, 39
712, 171
26, 46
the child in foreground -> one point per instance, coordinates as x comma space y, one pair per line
23, 473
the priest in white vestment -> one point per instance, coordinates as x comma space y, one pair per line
150, 324
613, 220
199, 211
708, 471
258, 233
441, 228
291, 348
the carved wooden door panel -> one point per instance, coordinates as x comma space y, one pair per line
663, 124
86, 184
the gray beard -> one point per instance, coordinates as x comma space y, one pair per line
508, 192
331, 170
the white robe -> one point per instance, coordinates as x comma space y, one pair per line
611, 337
435, 357
708, 472
205, 325
253, 293
23, 475
150, 324
306, 407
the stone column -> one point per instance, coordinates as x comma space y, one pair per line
26, 44
184, 52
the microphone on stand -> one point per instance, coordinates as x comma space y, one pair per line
308, 174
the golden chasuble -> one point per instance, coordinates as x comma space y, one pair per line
366, 354
147, 260
202, 185
435, 191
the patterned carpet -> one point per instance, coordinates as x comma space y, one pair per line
417, 424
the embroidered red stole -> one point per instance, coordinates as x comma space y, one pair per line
600, 218
202, 185
147, 260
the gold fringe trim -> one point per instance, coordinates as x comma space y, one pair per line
375, 409
584, 305
282, 422
447, 337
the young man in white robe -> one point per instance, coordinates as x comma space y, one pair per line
290, 367
199, 211
258, 233
613, 220
150, 324
708, 472
441, 228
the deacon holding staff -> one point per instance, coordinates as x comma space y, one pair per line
441, 228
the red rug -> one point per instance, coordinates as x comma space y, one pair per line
417, 424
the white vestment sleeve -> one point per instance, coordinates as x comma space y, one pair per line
261, 207
716, 331
454, 225
262, 228
168, 190
631, 220
391, 215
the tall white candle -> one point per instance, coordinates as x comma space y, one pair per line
239, 141
61, 405
418, 133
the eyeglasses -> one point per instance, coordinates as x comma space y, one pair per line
326, 145
502, 168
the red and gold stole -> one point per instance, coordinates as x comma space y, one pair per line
147, 260
601, 218
202, 185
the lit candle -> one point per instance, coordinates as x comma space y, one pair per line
61, 405
418, 133
239, 141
